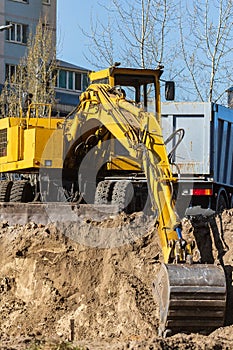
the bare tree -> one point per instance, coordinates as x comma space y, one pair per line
206, 33
101, 38
191, 38
135, 33
35, 74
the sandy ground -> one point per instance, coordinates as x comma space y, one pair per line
61, 290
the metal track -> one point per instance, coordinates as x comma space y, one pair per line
192, 298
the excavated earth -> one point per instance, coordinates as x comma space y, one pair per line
62, 287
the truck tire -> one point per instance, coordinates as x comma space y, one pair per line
5, 189
231, 205
222, 201
21, 191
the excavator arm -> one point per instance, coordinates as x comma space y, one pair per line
160, 182
191, 297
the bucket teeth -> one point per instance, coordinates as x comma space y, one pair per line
192, 298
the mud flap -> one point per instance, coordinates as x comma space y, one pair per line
192, 298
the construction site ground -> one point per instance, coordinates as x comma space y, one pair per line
87, 285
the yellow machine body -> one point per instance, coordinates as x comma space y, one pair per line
30, 142
137, 80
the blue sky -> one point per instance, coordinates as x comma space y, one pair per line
71, 15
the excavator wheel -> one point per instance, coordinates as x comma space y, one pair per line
103, 194
123, 196
5, 189
192, 298
21, 191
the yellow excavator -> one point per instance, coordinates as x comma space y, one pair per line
111, 151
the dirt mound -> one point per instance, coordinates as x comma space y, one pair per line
56, 285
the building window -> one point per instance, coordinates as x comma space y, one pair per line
3, 142
85, 81
71, 80
46, 2
78, 85
17, 33
62, 79
10, 71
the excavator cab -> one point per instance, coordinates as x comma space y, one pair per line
139, 85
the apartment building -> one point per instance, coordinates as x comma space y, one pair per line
24, 15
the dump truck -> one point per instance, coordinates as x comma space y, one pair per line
111, 149
203, 161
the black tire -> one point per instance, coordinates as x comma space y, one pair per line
123, 196
5, 189
231, 205
103, 193
22, 192
221, 203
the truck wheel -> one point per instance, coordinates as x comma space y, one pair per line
21, 191
231, 201
5, 189
123, 195
103, 193
221, 202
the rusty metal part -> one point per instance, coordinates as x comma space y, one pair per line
44, 213
192, 298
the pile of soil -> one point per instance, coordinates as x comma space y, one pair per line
59, 289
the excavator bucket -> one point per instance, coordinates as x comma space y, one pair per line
192, 298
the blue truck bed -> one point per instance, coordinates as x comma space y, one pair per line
207, 148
